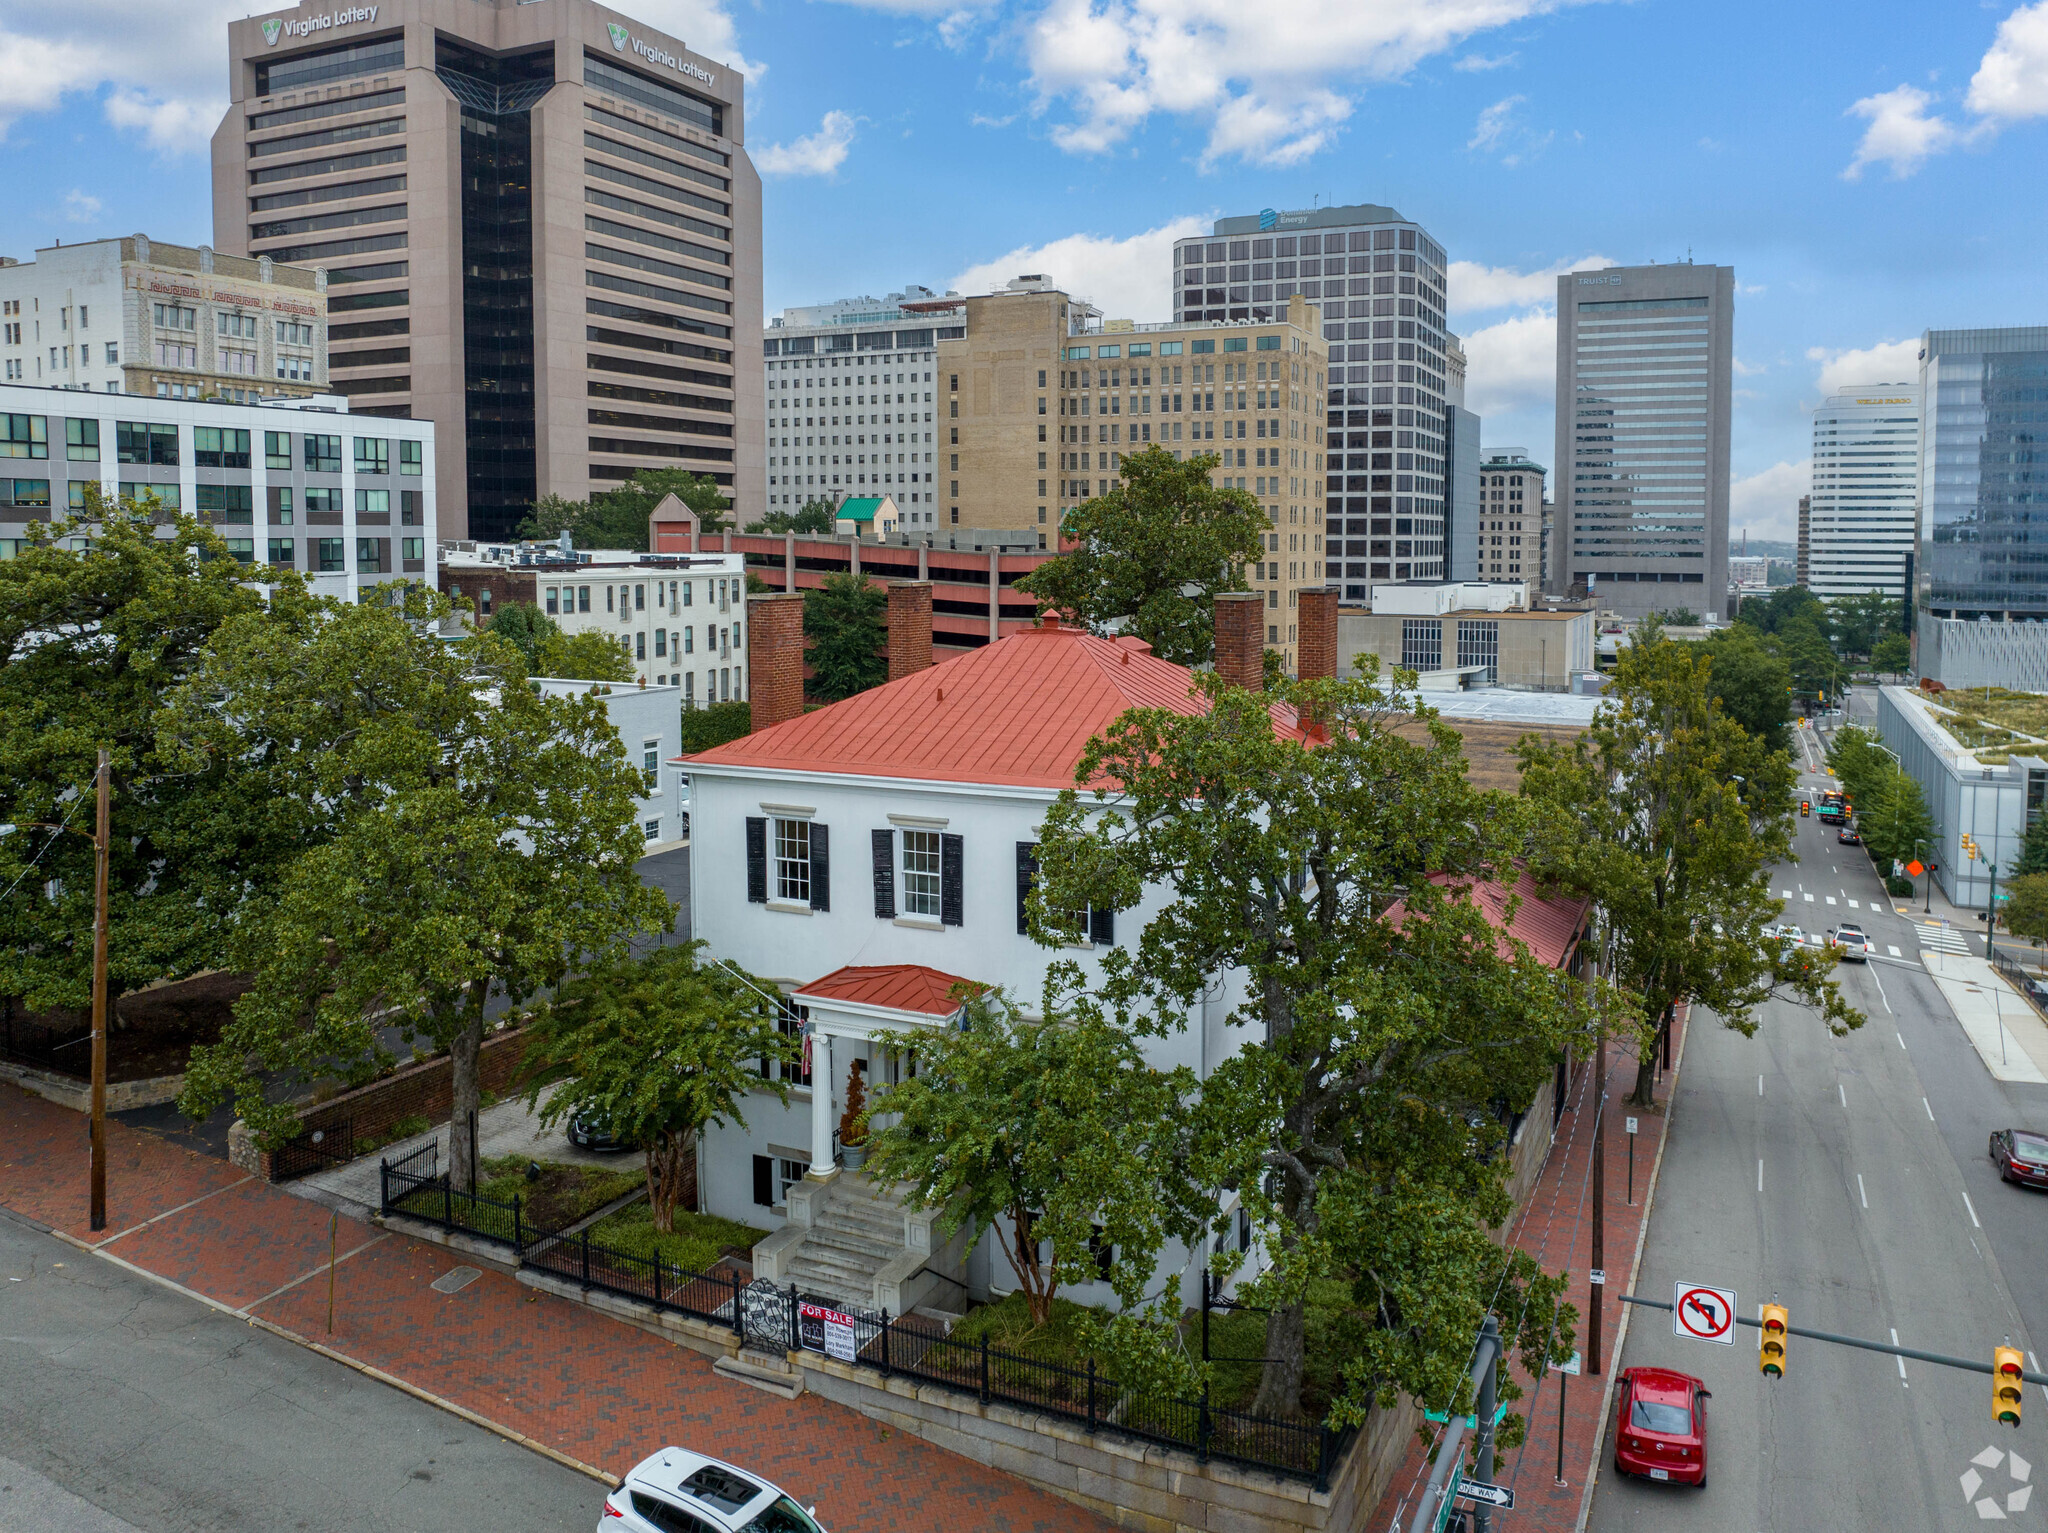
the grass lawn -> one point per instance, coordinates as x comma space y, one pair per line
696, 1243
563, 1193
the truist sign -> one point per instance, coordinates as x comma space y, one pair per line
622, 41
305, 26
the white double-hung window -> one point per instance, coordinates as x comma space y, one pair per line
921, 873
793, 861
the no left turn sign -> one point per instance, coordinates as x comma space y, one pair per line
1703, 1314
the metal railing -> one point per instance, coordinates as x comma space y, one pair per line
2030, 983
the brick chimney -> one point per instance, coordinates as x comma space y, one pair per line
1317, 617
910, 627
1241, 639
775, 657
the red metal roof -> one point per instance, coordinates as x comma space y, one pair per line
1018, 712
1546, 924
898, 986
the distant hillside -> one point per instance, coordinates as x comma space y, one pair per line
1762, 548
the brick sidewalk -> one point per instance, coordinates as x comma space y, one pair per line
1556, 1227
599, 1391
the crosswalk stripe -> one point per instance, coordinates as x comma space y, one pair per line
1891, 950
1831, 899
1854, 906
1943, 939
1809, 899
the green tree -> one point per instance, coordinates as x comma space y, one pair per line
2025, 907
1785, 604
467, 837
1677, 817
1817, 672
1859, 762
587, 655
1860, 622
714, 724
527, 629
1892, 654
93, 640
659, 1048
618, 518
1150, 556
815, 517
1052, 1133
1385, 1019
1752, 685
846, 624
1892, 816
2033, 856
1679, 617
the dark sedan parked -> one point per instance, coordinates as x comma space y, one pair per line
2021, 1156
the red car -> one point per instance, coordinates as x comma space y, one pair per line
2020, 1156
1660, 1426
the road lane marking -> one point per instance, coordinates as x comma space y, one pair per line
1760, 1177
1902, 1362
1865, 1196
1930, 1111
1854, 906
1891, 949
1900, 1036
1966, 1201
1843, 1091
1809, 900
1831, 899
1880, 993
1759, 1085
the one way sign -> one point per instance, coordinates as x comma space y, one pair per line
1502, 1496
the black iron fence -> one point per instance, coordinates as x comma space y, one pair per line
66, 1050
913, 1346
2030, 983
314, 1150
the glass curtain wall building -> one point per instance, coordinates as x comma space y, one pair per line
1983, 478
1381, 283
1866, 481
1644, 369
407, 150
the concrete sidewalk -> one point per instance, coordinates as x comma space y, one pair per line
556, 1376
2006, 1031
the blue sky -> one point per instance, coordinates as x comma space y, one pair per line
1867, 175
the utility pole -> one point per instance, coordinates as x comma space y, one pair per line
1598, 1276
1482, 1516
100, 843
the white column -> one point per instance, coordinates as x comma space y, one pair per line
821, 1104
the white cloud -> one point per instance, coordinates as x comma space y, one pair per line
1493, 122
992, 122
1478, 62
1767, 503
80, 208
2012, 82
1271, 84
1125, 278
1512, 366
1902, 132
822, 153
1886, 362
1475, 288
164, 66
1743, 369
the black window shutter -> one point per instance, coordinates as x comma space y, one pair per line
764, 1181
757, 861
1027, 874
952, 877
885, 873
821, 868
1101, 926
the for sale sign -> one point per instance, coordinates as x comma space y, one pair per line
826, 1330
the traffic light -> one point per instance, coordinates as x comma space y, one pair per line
2006, 1391
1771, 1354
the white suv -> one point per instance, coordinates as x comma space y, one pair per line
677, 1491
1850, 942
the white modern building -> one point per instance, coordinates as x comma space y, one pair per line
139, 316
1990, 795
649, 722
1866, 491
293, 483
849, 390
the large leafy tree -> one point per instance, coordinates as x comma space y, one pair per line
618, 518
1752, 684
659, 1048
1150, 556
1862, 620
1892, 654
846, 624
1677, 816
1050, 1132
526, 628
1891, 812
1385, 1022
585, 656
93, 640
466, 836
813, 516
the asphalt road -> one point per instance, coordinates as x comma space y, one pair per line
126, 1406
1848, 1178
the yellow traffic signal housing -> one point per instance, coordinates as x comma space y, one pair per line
1771, 1353
2006, 1388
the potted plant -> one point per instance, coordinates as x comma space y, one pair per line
853, 1127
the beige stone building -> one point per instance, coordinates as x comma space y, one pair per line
539, 228
137, 316
1038, 402
1509, 535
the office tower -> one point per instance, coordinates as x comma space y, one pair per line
1644, 366
1981, 484
1462, 495
1805, 544
1866, 483
137, 316
1506, 541
294, 483
884, 355
1380, 280
409, 148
